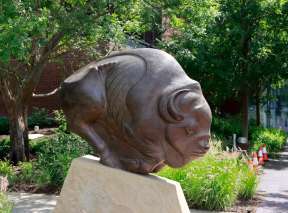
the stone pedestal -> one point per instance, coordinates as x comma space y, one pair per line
91, 187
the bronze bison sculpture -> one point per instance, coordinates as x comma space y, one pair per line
138, 110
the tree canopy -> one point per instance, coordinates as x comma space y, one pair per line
233, 48
34, 32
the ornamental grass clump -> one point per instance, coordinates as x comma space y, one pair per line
248, 182
274, 139
215, 181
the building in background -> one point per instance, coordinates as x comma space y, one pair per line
274, 111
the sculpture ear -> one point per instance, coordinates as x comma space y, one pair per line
106, 66
168, 108
174, 106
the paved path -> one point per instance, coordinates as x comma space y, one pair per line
273, 187
32, 203
41, 203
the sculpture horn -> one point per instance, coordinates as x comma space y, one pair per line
168, 109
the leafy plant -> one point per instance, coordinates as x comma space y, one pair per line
37, 144
40, 117
5, 205
215, 181
6, 169
225, 127
26, 174
273, 138
55, 157
62, 123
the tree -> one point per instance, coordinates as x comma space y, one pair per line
234, 48
34, 32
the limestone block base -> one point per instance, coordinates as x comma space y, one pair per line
91, 187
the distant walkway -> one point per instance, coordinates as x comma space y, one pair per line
273, 188
42, 203
32, 203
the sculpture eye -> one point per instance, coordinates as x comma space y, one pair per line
189, 131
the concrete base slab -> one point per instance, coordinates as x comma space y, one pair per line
91, 187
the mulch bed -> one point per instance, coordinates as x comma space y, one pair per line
245, 206
32, 188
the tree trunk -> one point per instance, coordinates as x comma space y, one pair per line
258, 122
17, 129
25, 134
244, 114
17, 89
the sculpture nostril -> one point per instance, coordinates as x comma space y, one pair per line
205, 144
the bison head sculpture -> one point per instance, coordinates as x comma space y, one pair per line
139, 110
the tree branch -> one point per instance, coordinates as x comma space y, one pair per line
50, 46
6, 92
34, 75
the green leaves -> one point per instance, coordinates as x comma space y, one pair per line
20, 26
231, 43
215, 181
26, 27
274, 139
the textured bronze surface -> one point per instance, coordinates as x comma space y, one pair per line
138, 110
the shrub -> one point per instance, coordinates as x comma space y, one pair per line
5, 204
6, 169
4, 148
4, 125
215, 181
26, 174
40, 117
273, 138
36, 145
62, 123
225, 127
55, 157
248, 183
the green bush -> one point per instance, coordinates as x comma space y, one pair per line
26, 174
274, 139
4, 125
225, 127
5, 205
4, 148
61, 120
6, 169
40, 117
55, 157
214, 182
36, 145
